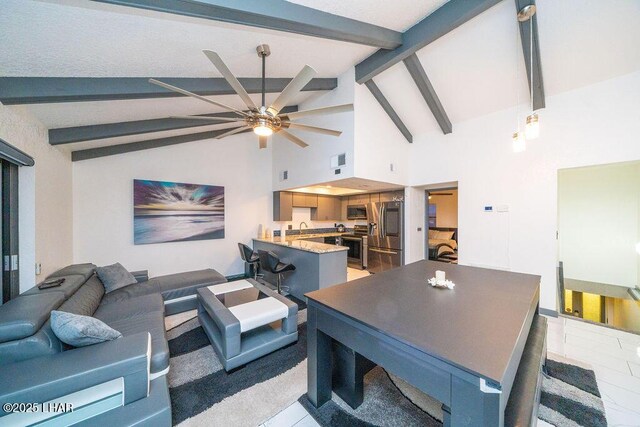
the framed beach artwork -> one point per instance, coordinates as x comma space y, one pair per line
175, 212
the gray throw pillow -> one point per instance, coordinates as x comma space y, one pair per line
114, 277
79, 331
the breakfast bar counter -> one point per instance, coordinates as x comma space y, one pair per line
318, 265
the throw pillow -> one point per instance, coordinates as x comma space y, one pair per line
114, 277
79, 331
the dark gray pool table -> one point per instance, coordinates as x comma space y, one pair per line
460, 346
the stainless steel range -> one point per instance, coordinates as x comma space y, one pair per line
357, 244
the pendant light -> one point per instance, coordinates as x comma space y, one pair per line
518, 140
532, 126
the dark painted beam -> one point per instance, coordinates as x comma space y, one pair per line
112, 150
113, 130
419, 76
41, 90
525, 34
442, 21
382, 100
276, 15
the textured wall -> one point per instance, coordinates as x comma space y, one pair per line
45, 196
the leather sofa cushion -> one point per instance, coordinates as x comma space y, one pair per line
85, 270
170, 286
86, 299
130, 308
70, 285
42, 343
23, 316
152, 322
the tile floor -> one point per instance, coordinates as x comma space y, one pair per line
613, 355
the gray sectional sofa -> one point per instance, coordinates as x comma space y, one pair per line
120, 382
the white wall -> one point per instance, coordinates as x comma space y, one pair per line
598, 215
103, 203
45, 198
378, 142
592, 125
311, 165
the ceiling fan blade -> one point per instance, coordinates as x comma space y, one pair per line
324, 110
202, 98
291, 137
312, 128
262, 141
209, 119
294, 86
233, 131
230, 78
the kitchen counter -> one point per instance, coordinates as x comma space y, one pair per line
304, 236
318, 265
304, 245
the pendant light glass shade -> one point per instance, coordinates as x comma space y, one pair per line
519, 142
532, 127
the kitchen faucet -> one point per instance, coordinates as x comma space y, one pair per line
300, 227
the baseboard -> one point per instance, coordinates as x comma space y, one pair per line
548, 312
233, 277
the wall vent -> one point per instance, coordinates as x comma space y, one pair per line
338, 161
284, 175
337, 172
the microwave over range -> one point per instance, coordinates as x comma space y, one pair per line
356, 212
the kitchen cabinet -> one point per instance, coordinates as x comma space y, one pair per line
282, 206
302, 200
392, 196
344, 202
359, 199
328, 209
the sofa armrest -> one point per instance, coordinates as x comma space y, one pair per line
224, 320
141, 275
48, 377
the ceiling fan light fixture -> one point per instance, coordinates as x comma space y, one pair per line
263, 130
263, 126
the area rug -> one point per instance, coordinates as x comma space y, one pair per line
202, 393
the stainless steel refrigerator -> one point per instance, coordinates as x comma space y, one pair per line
385, 236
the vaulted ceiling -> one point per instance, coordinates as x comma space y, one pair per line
475, 69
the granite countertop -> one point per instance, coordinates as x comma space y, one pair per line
303, 236
304, 245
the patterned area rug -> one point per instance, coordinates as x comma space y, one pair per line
202, 393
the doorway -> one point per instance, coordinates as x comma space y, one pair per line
441, 223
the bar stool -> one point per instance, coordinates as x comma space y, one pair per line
271, 263
250, 257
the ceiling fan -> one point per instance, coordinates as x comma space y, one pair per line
264, 120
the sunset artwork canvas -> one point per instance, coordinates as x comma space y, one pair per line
175, 212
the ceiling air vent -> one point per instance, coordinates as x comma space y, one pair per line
338, 161
284, 175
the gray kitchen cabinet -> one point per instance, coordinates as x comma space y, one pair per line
392, 196
282, 206
344, 202
302, 200
299, 200
328, 209
359, 199
312, 200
